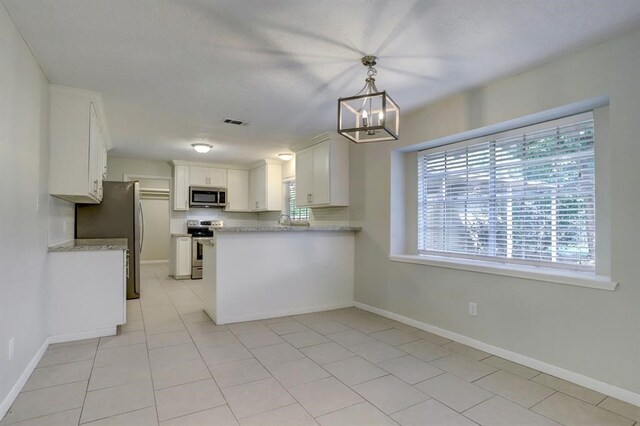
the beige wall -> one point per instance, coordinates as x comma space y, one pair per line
591, 332
117, 167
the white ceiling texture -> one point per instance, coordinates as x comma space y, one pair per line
171, 70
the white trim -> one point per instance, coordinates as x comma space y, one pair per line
285, 313
153, 262
17, 387
558, 276
89, 334
579, 379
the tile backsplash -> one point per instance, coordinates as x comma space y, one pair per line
61, 221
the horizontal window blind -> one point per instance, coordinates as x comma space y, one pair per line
290, 208
525, 196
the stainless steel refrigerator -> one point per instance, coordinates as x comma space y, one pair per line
119, 215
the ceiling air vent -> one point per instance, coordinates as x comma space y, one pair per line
236, 122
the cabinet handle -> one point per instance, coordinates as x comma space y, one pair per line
95, 185
127, 263
256, 204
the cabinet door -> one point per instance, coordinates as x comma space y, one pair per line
217, 177
104, 161
198, 176
257, 188
237, 190
304, 177
183, 252
95, 166
181, 188
321, 182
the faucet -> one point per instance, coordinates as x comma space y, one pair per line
287, 221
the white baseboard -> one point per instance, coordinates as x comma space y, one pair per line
90, 334
17, 387
579, 379
285, 313
153, 262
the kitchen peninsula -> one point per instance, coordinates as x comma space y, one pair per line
252, 273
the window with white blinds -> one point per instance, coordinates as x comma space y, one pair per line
290, 208
523, 196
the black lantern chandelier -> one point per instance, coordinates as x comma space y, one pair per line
370, 115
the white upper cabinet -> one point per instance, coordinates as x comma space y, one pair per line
265, 187
322, 172
78, 144
237, 191
180, 187
207, 176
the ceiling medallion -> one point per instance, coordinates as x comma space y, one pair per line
370, 115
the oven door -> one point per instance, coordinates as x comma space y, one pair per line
203, 197
196, 258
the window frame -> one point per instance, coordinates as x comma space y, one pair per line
286, 203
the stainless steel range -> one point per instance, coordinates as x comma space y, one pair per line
200, 231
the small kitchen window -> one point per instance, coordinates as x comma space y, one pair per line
525, 196
295, 213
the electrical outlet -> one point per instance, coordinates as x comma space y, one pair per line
10, 348
473, 309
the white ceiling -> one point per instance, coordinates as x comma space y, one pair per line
171, 70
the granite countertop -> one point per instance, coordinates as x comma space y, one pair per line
287, 228
180, 234
101, 244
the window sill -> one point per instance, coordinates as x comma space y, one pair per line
558, 276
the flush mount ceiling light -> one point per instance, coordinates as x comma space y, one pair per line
201, 148
285, 156
370, 115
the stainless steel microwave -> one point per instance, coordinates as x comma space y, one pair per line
205, 196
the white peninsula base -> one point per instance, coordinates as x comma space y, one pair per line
258, 275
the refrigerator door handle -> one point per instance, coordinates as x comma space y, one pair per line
141, 227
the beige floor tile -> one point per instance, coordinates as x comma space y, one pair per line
592, 397
82, 342
426, 351
464, 367
223, 354
514, 388
297, 372
329, 327
116, 400
125, 339
431, 413
327, 352
171, 338
219, 416
133, 305
216, 338
258, 397
145, 417
171, 354
353, 371
277, 320
59, 375
261, 338
65, 418
500, 412
430, 337
291, 415
390, 394
410, 369
620, 407
454, 392
359, 414
350, 338
511, 367
377, 351
394, 337
134, 316
157, 314
177, 373
164, 326
132, 325
287, 327
197, 316
186, 399
313, 318
67, 354
108, 356
239, 372
573, 412
273, 354
42, 402
302, 339
324, 396
203, 327
247, 327
119, 374
467, 351
369, 326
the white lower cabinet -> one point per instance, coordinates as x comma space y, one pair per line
180, 257
88, 294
